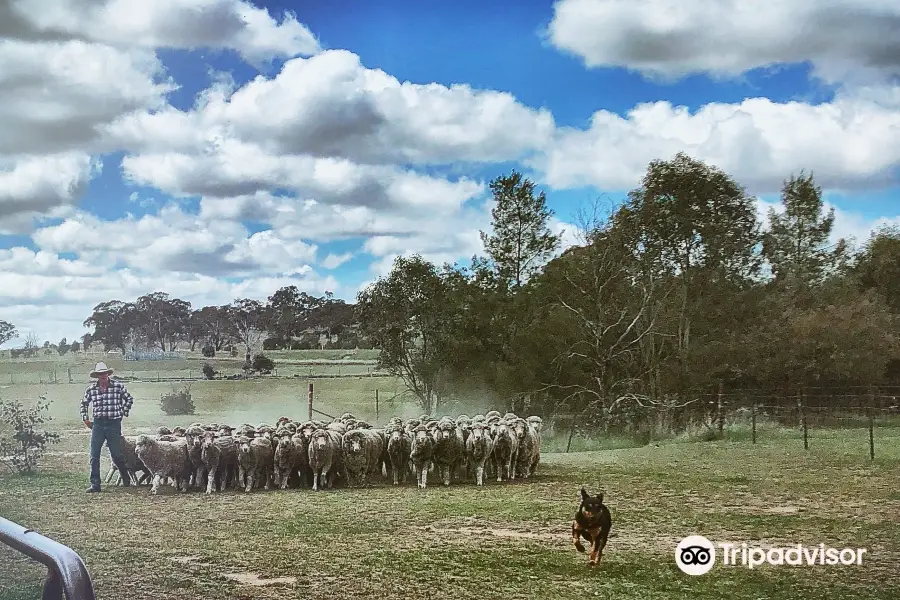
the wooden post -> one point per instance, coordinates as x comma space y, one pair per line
720, 413
377, 420
157, 376
753, 421
309, 400
801, 401
69, 370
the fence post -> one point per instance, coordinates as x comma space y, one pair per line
309, 400
753, 421
871, 434
720, 413
69, 370
571, 432
157, 377
800, 402
377, 420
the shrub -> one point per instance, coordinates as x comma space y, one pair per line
178, 402
208, 371
273, 343
22, 447
208, 351
262, 364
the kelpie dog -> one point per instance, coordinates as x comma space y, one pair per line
592, 522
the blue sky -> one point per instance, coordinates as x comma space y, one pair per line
311, 150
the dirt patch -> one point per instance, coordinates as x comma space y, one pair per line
256, 581
496, 532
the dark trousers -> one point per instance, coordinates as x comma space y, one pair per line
109, 431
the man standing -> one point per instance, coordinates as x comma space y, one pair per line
111, 401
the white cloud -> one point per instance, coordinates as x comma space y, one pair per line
671, 39
850, 142
330, 105
333, 261
183, 24
176, 242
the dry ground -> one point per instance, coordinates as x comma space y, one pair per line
508, 541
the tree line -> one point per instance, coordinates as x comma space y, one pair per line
288, 319
677, 291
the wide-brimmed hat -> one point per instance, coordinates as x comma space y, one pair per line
100, 369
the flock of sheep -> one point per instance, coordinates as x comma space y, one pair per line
316, 454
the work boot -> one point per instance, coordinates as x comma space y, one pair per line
92, 490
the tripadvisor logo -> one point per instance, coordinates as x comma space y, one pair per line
696, 555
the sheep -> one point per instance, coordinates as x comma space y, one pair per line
301, 455
132, 464
324, 456
255, 462
163, 431
286, 461
449, 449
194, 438
227, 470
337, 427
398, 449
528, 445
506, 445
493, 414
421, 453
362, 450
165, 460
478, 449
211, 456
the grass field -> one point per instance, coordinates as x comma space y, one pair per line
506, 541
288, 363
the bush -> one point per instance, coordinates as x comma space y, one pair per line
22, 447
208, 371
262, 364
273, 343
208, 351
178, 402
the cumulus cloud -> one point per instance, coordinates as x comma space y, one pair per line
850, 142
176, 242
671, 39
330, 105
183, 24
233, 168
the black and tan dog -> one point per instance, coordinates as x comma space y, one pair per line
592, 522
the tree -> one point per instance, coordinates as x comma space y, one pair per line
86, 341
214, 326
31, 344
62, 347
162, 321
796, 245
521, 240
7, 332
288, 309
405, 316
21, 449
248, 320
694, 226
877, 265
74, 347
114, 323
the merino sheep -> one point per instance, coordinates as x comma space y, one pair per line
421, 454
199, 474
211, 456
478, 449
324, 457
165, 460
362, 449
449, 449
527, 446
226, 474
286, 461
301, 455
132, 464
506, 446
398, 449
255, 462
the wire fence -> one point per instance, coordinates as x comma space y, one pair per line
861, 416
64, 376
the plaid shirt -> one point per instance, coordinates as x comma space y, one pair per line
112, 403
